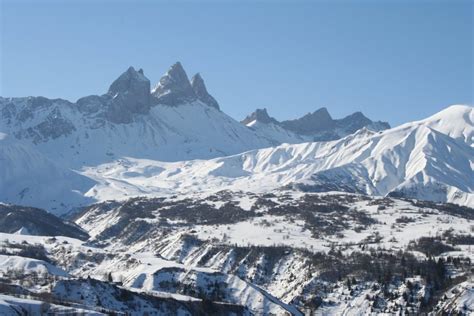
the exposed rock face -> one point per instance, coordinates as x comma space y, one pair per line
53, 126
319, 125
311, 123
357, 120
130, 94
260, 115
200, 90
174, 87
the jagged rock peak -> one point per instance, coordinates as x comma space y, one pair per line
260, 115
197, 83
174, 87
358, 120
130, 80
310, 123
131, 94
321, 114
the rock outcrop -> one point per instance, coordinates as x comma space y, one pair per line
200, 90
174, 87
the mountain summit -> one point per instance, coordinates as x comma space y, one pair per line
131, 94
315, 126
174, 87
260, 115
200, 90
311, 123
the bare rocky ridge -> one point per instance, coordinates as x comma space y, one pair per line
316, 126
130, 94
260, 115
174, 87
311, 123
201, 91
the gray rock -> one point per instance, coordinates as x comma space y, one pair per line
260, 115
174, 87
130, 95
92, 104
319, 125
311, 123
357, 120
54, 126
197, 83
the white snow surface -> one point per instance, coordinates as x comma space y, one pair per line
166, 133
431, 159
415, 159
27, 177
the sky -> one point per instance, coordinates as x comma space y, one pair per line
395, 61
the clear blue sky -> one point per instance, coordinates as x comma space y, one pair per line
392, 60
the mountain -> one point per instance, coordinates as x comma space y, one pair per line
269, 128
456, 121
35, 221
311, 123
413, 160
132, 141
280, 250
27, 177
174, 87
316, 126
201, 91
178, 120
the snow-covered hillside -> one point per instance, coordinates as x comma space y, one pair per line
178, 120
129, 142
413, 160
456, 121
27, 177
241, 253
167, 133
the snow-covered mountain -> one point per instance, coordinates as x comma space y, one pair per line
413, 160
316, 126
456, 121
271, 129
241, 253
27, 177
179, 120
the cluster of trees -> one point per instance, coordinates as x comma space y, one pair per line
430, 246
24, 249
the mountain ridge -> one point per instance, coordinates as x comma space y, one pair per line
315, 126
413, 161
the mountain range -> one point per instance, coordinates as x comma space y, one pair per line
152, 200
134, 140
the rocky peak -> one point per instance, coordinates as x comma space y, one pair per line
197, 83
358, 120
174, 87
131, 81
319, 120
130, 94
260, 115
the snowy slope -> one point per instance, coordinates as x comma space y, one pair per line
187, 131
266, 240
456, 121
412, 160
27, 177
275, 133
179, 121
